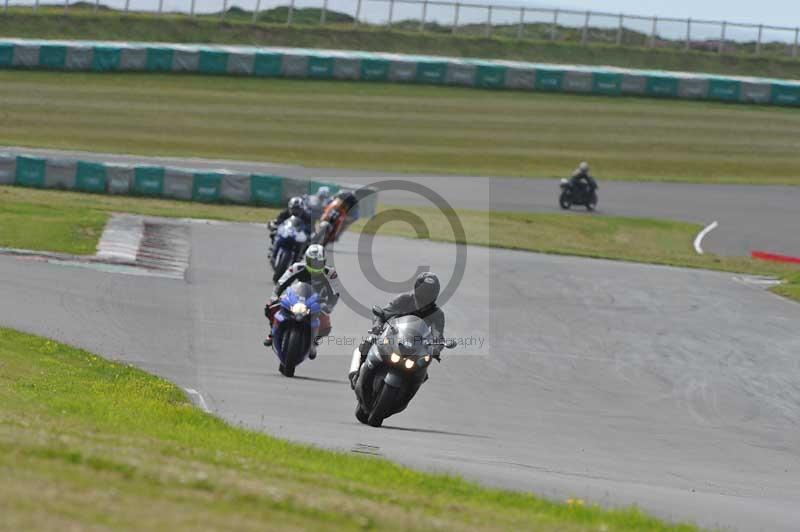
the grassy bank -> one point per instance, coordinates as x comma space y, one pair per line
87, 443
237, 29
400, 128
42, 227
631, 239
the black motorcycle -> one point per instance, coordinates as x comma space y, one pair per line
583, 194
396, 366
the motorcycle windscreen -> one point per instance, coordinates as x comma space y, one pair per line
412, 336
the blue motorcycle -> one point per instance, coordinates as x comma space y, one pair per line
291, 240
296, 326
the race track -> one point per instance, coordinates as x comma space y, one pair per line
750, 218
673, 389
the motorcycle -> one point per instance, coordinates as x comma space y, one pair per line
572, 195
395, 367
295, 326
332, 222
291, 239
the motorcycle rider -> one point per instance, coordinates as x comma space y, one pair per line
581, 180
420, 302
346, 202
295, 207
323, 278
316, 203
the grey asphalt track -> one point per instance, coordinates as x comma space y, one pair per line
763, 218
620, 383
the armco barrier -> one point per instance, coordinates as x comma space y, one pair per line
354, 65
209, 186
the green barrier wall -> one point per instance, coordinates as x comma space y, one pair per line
367, 66
148, 181
549, 80
266, 190
267, 65
30, 172
206, 187
90, 177
105, 59
213, 62
155, 181
6, 55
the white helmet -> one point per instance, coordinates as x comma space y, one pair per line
296, 206
315, 258
583, 167
324, 192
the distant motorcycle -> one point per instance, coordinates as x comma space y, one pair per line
295, 326
582, 195
291, 240
395, 368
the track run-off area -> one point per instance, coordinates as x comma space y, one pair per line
620, 383
750, 218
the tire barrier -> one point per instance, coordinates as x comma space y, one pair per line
207, 186
366, 66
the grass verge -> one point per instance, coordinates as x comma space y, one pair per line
632, 239
72, 222
42, 227
88, 443
403, 128
50, 23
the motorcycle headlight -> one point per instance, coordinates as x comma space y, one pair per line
425, 360
395, 358
409, 363
299, 309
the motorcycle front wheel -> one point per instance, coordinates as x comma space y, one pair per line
280, 267
361, 415
293, 346
592, 204
384, 405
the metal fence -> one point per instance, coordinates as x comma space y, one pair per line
509, 21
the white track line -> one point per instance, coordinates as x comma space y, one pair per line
203, 405
698, 241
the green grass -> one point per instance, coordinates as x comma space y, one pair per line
644, 240
236, 29
72, 222
400, 128
47, 228
632, 239
86, 443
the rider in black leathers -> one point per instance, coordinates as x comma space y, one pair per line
581, 181
420, 302
294, 208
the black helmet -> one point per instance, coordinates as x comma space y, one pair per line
426, 289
